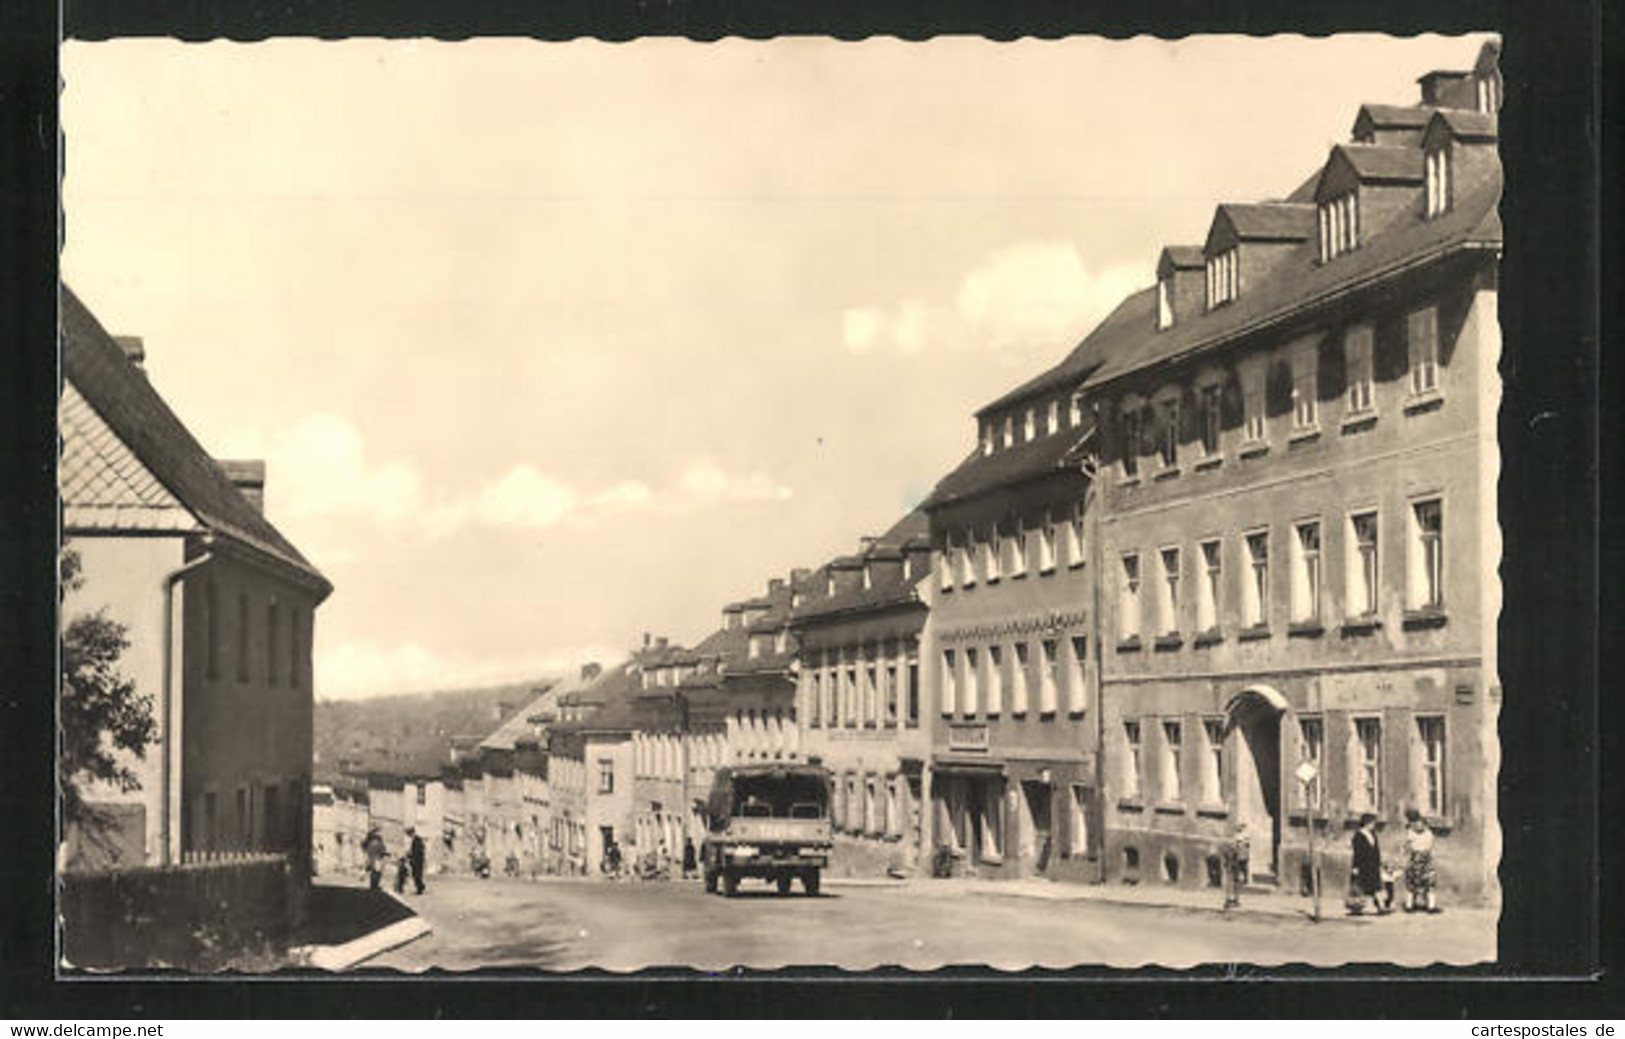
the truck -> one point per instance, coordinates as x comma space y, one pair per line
767, 821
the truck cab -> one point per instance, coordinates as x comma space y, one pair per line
769, 822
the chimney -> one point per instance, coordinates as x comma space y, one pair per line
775, 585
660, 643
249, 477
646, 637
134, 351
591, 670
800, 575
1436, 85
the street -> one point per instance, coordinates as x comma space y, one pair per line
565, 925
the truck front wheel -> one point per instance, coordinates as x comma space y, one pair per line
730, 883
809, 881
783, 880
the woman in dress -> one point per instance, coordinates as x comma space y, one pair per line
1420, 875
1366, 879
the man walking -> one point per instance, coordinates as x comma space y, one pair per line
414, 855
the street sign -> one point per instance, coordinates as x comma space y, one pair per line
1307, 772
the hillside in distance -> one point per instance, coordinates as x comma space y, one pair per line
411, 734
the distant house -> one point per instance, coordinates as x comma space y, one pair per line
219, 609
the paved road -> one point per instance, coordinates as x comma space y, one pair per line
571, 924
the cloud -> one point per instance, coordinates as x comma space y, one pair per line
1028, 296
524, 497
319, 467
706, 484
626, 494
358, 670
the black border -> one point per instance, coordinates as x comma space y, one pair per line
1551, 441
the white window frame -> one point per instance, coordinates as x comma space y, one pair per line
995, 681
1133, 742
1074, 542
1075, 411
1172, 731
1016, 546
1132, 420
1425, 560
1422, 353
1213, 761
991, 571
1255, 403
1168, 417
1165, 303
1306, 389
1312, 749
1209, 406
1364, 581
1170, 571
1365, 772
969, 692
1049, 679
1358, 358
1020, 673
1430, 769
1255, 580
1223, 278
987, 438
1077, 688
1077, 835
1029, 427
1131, 582
1437, 172
1046, 549
1210, 554
950, 683
1308, 569
1052, 418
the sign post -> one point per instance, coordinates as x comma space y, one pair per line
1306, 774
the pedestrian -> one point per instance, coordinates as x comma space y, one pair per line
373, 848
415, 853
1420, 875
402, 870
690, 860
1237, 859
1365, 878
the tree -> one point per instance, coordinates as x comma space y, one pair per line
101, 712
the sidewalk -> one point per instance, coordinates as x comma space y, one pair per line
1160, 896
347, 924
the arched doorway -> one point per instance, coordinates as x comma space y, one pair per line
1254, 715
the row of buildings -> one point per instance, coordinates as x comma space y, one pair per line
1228, 567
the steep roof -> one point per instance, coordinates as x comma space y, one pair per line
103, 484
1264, 221
121, 397
1392, 117
1378, 162
981, 473
521, 726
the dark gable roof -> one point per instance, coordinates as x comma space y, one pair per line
1392, 117
913, 529
1262, 222
1466, 124
1382, 163
981, 473
1184, 257
134, 411
1301, 282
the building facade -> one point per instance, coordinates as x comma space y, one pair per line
860, 707
1297, 478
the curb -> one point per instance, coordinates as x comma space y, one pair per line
359, 950
1243, 911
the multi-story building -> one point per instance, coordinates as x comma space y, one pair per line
1297, 471
856, 625
218, 608
590, 771
1015, 733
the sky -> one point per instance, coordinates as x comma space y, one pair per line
548, 345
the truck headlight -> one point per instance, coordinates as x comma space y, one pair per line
743, 851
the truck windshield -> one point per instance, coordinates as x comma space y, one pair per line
779, 797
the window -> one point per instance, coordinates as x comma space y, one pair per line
1223, 278
1362, 565
1049, 677
1339, 225
1078, 830
1305, 373
1009, 430
1169, 599
1128, 611
1213, 761
1168, 433
967, 571
1046, 549
242, 636
1018, 681
1306, 572
1252, 403
913, 691
1357, 357
871, 696
273, 643
1075, 413
950, 683
1133, 423
1016, 549
990, 557
968, 703
945, 573
1430, 747
1427, 555
1165, 303
211, 621
850, 707
1074, 541
1207, 590
1078, 686
1207, 403
1367, 793
1029, 426
1312, 749
1256, 601
1172, 760
832, 693
1052, 417
995, 680
891, 694
1436, 169
815, 692
1131, 760
1422, 330
987, 437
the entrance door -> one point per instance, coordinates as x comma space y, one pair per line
1257, 721
1038, 798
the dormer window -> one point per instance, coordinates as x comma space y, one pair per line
1339, 225
868, 577
1075, 418
1029, 427
1009, 430
1052, 417
829, 585
1223, 278
987, 438
1489, 94
1165, 303
1436, 170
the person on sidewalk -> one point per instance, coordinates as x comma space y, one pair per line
690, 861
1366, 878
1420, 875
1237, 857
414, 855
373, 848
